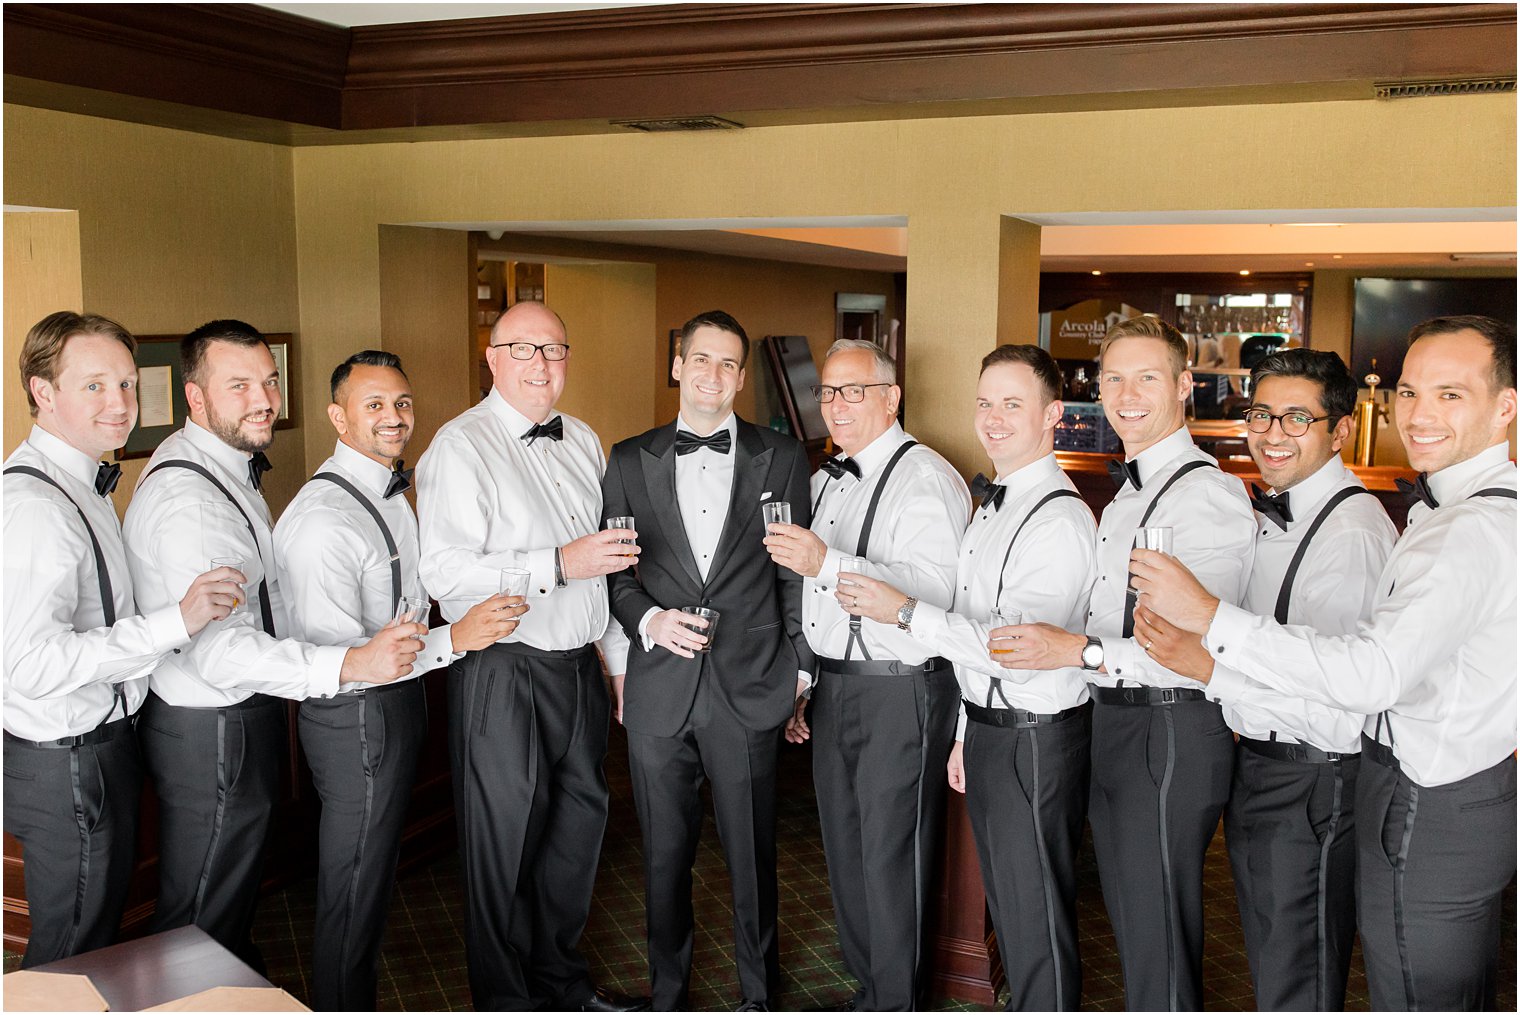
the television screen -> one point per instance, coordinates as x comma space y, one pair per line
1386, 308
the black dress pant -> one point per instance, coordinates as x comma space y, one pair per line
363, 749
1160, 779
1026, 795
527, 738
1433, 865
668, 772
1292, 838
74, 809
880, 743
217, 771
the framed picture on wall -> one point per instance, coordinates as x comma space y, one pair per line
161, 406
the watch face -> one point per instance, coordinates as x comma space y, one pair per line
1092, 656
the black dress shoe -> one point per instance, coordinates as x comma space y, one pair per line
748, 1005
603, 999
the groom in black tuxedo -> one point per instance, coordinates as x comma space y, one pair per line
695, 709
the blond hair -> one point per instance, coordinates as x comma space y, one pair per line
43, 348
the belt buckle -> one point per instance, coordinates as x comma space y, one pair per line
1168, 695
1031, 719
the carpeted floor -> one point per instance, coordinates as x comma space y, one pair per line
423, 962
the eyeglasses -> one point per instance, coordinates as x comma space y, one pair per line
852, 392
1294, 424
553, 352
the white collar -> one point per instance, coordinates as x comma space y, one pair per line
1154, 458
875, 454
229, 457
74, 463
517, 424
1456, 482
375, 477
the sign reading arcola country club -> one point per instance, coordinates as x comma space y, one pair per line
1077, 331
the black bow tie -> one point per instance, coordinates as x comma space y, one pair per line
401, 480
687, 442
988, 492
554, 430
1417, 491
257, 466
1124, 472
106, 477
837, 467
1272, 505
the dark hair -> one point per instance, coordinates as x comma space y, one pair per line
721, 320
192, 348
1337, 388
1149, 326
1041, 362
43, 349
1500, 336
367, 358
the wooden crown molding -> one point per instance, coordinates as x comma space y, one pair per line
726, 59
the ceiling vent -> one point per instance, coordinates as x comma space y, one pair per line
662, 125
1420, 89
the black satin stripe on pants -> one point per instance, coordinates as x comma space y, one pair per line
740, 765
363, 750
1026, 795
1291, 834
74, 810
1433, 863
1160, 779
880, 744
527, 738
217, 771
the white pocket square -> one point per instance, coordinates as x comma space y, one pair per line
766, 495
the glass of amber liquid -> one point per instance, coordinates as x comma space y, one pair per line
1005, 618
237, 564
621, 522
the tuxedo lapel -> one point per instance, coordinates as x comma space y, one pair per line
659, 462
752, 464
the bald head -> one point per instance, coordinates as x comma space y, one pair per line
527, 314
527, 356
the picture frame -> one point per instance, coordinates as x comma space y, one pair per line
162, 408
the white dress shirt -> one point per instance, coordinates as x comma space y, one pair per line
335, 569
1046, 577
60, 659
1438, 652
487, 499
177, 522
915, 543
1213, 534
1332, 593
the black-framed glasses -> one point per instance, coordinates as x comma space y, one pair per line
852, 392
1294, 424
553, 352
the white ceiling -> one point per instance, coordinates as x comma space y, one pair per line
354, 15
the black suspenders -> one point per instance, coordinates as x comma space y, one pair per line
1129, 593
102, 576
385, 530
1283, 594
266, 611
865, 538
997, 682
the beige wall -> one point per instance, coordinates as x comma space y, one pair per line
41, 276
175, 229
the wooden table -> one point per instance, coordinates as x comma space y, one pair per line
163, 967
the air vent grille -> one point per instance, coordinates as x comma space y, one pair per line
1420, 89
662, 125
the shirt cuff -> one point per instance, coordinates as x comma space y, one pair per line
960, 723
1229, 630
437, 650
929, 623
614, 658
644, 628
806, 678
167, 628
1121, 659
326, 664
1226, 685
828, 572
540, 564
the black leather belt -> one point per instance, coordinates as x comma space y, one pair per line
519, 649
1017, 718
364, 691
1143, 695
99, 735
881, 667
1279, 751
1381, 753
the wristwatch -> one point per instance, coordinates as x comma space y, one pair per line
905, 614
1092, 654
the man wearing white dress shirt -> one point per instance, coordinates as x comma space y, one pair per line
702, 709
348, 553
1022, 745
884, 707
1433, 669
77, 654
213, 727
511, 483
1162, 754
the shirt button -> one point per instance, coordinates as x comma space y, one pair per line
1105, 578
1103, 540
1220, 649
1118, 671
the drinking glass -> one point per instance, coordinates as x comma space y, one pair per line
621, 522
1005, 618
1153, 537
777, 512
232, 562
853, 565
514, 581
711, 616
410, 610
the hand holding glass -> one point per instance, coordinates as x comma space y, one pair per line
1005, 618
237, 564
514, 581
410, 611
622, 522
711, 616
1153, 537
777, 512
852, 565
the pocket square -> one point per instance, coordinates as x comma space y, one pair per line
765, 496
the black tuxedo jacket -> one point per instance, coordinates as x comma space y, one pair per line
759, 644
